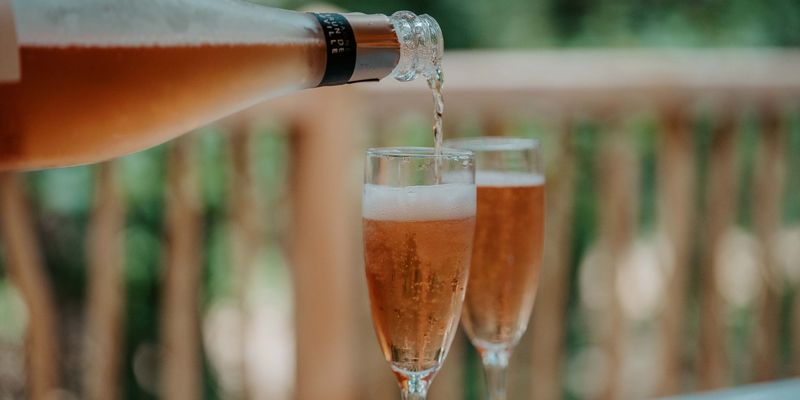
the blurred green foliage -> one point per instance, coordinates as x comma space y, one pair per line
593, 23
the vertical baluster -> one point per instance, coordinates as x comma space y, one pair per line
106, 287
617, 182
377, 382
548, 323
26, 270
720, 197
494, 124
181, 347
767, 196
675, 216
322, 193
246, 225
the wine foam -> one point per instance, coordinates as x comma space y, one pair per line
504, 178
418, 203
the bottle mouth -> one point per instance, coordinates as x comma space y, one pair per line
421, 45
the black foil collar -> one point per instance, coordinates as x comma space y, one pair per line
341, 48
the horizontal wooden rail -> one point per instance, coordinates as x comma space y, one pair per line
517, 82
509, 83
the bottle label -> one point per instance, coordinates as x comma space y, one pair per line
340, 42
9, 51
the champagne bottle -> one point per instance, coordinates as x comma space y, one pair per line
99, 79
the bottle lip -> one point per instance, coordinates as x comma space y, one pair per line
436, 36
421, 46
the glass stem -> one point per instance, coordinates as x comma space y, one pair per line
414, 388
495, 365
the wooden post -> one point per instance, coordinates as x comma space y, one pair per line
323, 141
105, 246
26, 270
548, 323
246, 224
618, 211
767, 200
376, 379
712, 366
180, 324
675, 216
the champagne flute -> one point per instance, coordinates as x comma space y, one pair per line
418, 222
507, 252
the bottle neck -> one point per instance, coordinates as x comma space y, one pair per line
368, 47
359, 47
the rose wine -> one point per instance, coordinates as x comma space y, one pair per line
506, 257
417, 266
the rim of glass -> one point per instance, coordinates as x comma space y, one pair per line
493, 143
418, 152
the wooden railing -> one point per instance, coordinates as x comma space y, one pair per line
583, 103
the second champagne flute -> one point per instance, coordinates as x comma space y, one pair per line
506, 256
